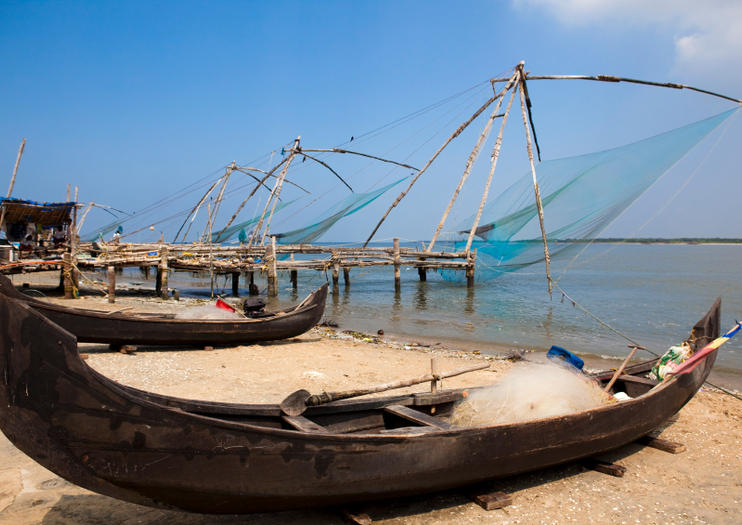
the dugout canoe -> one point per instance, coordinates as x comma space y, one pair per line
232, 458
120, 328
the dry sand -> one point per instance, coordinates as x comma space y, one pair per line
701, 485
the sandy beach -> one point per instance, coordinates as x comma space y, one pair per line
701, 485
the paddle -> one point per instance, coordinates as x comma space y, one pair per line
295, 404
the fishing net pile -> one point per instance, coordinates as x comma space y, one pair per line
530, 391
581, 196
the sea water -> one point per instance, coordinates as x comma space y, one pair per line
653, 293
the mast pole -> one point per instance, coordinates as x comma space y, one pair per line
536, 190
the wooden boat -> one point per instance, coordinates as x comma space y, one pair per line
119, 328
230, 458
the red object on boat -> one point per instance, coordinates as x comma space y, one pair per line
224, 306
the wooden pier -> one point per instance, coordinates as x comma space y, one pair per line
238, 261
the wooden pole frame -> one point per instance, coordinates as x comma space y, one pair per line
536, 190
455, 134
493, 165
473, 156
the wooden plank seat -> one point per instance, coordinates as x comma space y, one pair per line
420, 418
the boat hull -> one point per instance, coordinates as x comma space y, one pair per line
130, 445
90, 326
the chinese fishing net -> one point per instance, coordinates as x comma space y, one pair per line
581, 196
349, 205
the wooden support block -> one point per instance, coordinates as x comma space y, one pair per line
111, 284
492, 500
410, 414
357, 518
662, 444
605, 467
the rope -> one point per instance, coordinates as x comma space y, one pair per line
603, 323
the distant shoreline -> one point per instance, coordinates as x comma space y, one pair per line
658, 240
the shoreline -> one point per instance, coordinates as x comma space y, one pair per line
134, 296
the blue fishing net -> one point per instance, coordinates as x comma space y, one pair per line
228, 233
581, 196
349, 205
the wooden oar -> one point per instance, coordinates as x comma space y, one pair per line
621, 368
295, 404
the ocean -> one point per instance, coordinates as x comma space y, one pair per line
652, 293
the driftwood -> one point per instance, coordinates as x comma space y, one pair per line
295, 404
471, 160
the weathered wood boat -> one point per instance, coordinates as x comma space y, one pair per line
120, 328
230, 458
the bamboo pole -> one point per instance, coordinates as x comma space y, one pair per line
12, 179
326, 397
260, 183
536, 190
493, 165
194, 211
84, 215
15, 168
279, 182
455, 134
217, 203
620, 369
473, 156
276, 184
339, 150
615, 79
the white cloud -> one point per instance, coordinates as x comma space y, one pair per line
707, 34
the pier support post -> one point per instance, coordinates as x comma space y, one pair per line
335, 274
67, 276
422, 274
294, 279
471, 261
346, 276
252, 289
235, 284
111, 283
397, 276
270, 259
145, 272
162, 275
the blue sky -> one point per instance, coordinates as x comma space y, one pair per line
132, 101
